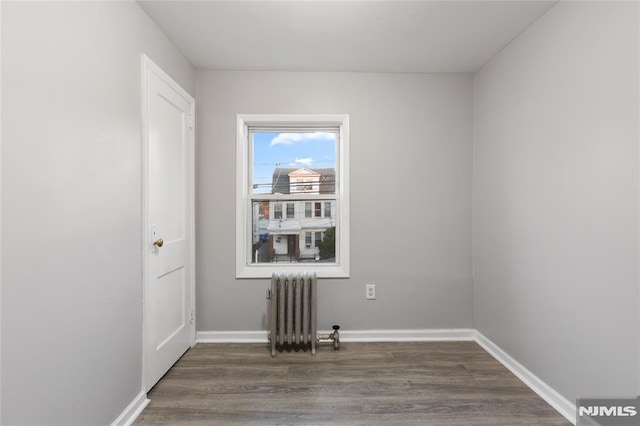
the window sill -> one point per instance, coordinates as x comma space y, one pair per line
265, 271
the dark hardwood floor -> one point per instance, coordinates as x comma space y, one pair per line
430, 383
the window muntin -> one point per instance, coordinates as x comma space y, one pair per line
320, 192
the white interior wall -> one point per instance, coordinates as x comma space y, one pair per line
556, 199
410, 174
71, 197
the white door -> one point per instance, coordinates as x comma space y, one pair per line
169, 220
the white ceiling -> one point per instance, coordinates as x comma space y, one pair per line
360, 36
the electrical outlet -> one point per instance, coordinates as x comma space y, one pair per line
370, 292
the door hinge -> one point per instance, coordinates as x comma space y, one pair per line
191, 316
191, 122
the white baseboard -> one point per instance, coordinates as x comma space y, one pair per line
133, 410
546, 392
260, 336
424, 335
427, 335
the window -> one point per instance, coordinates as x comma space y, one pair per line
263, 209
287, 164
327, 209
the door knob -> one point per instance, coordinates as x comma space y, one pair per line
158, 242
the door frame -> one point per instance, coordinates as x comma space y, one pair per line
149, 66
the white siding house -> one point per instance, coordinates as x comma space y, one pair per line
291, 231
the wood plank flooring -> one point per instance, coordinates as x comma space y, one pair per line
425, 383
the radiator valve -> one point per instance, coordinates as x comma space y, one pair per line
336, 337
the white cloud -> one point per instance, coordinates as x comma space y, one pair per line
292, 138
307, 161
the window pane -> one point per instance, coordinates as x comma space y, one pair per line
307, 209
263, 211
303, 162
290, 239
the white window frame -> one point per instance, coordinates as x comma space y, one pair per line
278, 208
244, 267
293, 209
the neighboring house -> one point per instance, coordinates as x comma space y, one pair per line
291, 230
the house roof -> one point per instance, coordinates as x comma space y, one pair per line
280, 179
303, 172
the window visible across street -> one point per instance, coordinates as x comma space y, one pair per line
288, 166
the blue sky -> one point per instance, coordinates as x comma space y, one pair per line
304, 149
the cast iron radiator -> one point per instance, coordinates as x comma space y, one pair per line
293, 304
